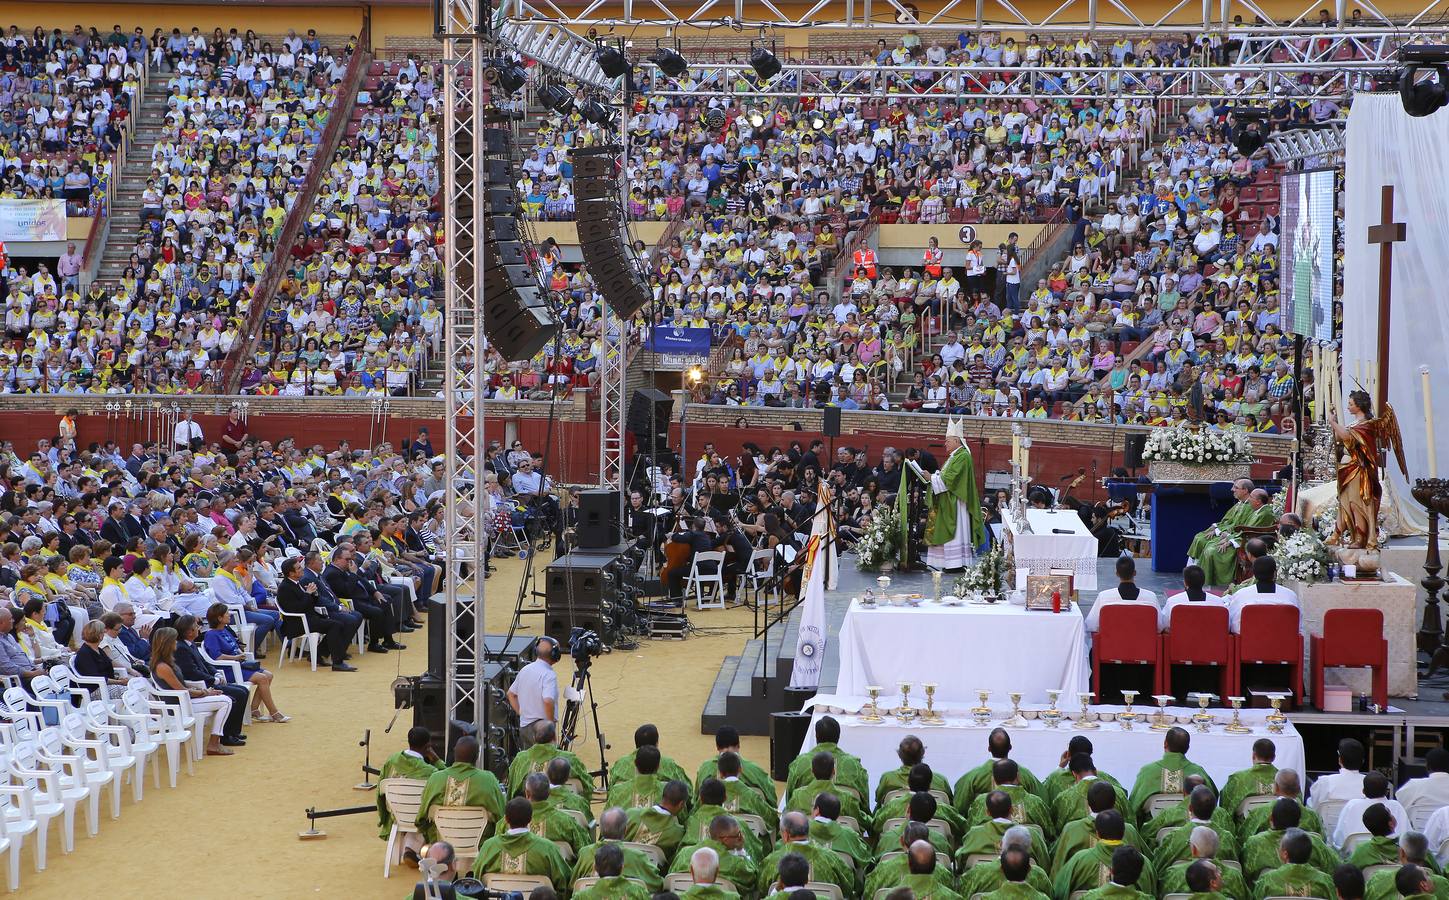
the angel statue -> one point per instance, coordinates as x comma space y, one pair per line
1359, 488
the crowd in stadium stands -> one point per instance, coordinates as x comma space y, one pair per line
360, 313
241, 128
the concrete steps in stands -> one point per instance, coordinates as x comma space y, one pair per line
126, 207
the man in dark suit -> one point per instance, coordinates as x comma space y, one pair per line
302, 590
271, 525
71, 535
137, 644
302, 528
341, 575
194, 667
699, 541
114, 528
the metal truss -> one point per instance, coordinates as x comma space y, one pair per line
611, 403
1307, 144
557, 49
466, 51
1256, 83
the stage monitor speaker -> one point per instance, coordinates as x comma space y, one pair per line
832, 421
498, 172
787, 736
598, 520
437, 631
1132, 447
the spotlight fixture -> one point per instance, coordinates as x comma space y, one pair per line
669, 62
715, 118
611, 60
817, 121
596, 113
1423, 90
557, 98
757, 119
511, 76
765, 63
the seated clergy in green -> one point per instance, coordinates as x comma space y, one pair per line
911, 752
920, 779
890, 872
1254, 781
704, 870
1026, 807
418, 761
922, 808
1215, 548
1015, 870
1203, 844
1285, 787
727, 740
1080, 834
821, 863
1414, 882
740, 797
1062, 777
985, 877
1348, 882
560, 792
518, 851
644, 789
726, 837
1177, 815
1297, 877
851, 773
822, 768
1127, 865
612, 885
613, 822
1204, 880
1174, 845
646, 736
659, 823
461, 784
1071, 802
1166, 775
978, 781
984, 840
1263, 850
1092, 867
921, 874
1380, 848
1413, 851
826, 830
536, 759
549, 820
709, 806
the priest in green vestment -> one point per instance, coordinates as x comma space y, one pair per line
1216, 549
824, 864
920, 780
1174, 846
985, 877
826, 830
727, 740
1297, 876
1062, 777
1413, 851
1166, 775
561, 793
550, 820
418, 762
1026, 807
1412, 882
1254, 781
1203, 843
710, 805
1092, 867
518, 851
1079, 834
848, 769
1127, 865
922, 808
955, 527
727, 838
1176, 816
643, 789
911, 752
822, 767
1204, 880
1263, 851
1380, 849
537, 757
659, 824
1285, 785
647, 736
978, 781
612, 885
984, 840
1070, 803
704, 870
613, 823
1015, 868
921, 865
461, 784
894, 864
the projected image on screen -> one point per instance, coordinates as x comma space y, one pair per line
1306, 254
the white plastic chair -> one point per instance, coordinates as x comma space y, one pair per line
294, 647
245, 631
649, 850
1420, 810
163, 725
1156, 803
524, 883
103, 762
463, 827
43, 785
679, 882
139, 749
1328, 813
194, 722
697, 580
16, 821
825, 889
404, 798
76, 779
238, 677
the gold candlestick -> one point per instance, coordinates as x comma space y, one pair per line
1082, 723
1236, 726
904, 713
1126, 717
929, 716
1202, 718
1051, 716
1161, 721
870, 713
981, 713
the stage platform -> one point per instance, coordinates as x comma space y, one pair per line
752, 686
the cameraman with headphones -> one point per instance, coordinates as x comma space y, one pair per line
534, 692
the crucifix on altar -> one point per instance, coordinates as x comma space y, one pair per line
1385, 234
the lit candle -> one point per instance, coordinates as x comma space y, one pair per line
1429, 422
1015, 447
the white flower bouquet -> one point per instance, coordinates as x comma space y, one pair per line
985, 576
1302, 557
1185, 445
878, 543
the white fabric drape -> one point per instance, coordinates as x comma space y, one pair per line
1387, 146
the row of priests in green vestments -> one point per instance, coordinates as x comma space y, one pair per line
1215, 549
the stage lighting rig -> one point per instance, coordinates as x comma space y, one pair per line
557, 98
597, 113
612, 60
507, 74
1424, 83
670, 62
765, 63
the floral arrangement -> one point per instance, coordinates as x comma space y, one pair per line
985, 576
1182, 444
878, 544
1302, 557
1279, 504
1327, 519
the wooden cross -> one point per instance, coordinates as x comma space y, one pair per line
1385, 234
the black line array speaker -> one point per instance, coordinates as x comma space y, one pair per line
1132, 447
598, 520
648, 417
516, 315
832, 421
607, 256
573, 594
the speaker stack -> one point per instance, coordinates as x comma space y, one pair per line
648, 419
516, 315
597, 526
607, 255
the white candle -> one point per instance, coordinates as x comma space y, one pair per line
1429, 422
1015, 448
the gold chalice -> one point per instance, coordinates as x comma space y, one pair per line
1051, 716
904, 713
1161, 721
1127, 716
929, 716
1236, 726
870, 713
1082, 723
1202, 718
981, 713
1016, 719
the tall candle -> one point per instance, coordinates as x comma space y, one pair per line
1429, 422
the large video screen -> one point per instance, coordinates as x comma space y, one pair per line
1305, 256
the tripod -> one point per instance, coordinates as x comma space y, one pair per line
582, 685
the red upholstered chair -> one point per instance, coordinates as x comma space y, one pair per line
1352, 638
1268, 635
1127, 634
1197, 635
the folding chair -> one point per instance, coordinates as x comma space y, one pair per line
697, 580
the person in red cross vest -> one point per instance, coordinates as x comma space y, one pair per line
865, 259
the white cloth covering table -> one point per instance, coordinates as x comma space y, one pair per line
963, 649
960, 744
1041, 551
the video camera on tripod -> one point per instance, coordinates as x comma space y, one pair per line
584, 645
432, 887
